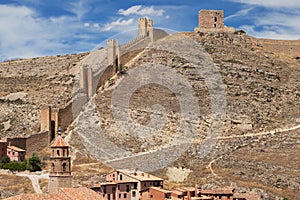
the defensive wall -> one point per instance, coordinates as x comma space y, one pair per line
32, 143
287, 47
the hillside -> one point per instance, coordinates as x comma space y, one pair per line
258, 149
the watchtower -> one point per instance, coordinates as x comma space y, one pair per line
60, 175
211, 19
145, 27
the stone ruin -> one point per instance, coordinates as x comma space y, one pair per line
212, 21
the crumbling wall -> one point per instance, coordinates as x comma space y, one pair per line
287, 47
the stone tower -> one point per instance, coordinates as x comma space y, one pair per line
211, 19
145, 27
60, 175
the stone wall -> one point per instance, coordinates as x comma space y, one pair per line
33, 143
287, 47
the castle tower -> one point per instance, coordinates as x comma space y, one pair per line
145, 27
113, 52
211, 19
60, 175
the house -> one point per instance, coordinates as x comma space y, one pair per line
3, 148
126, 184
223, 194
15, 153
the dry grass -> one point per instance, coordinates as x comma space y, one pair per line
44, 184
11, 185
249, 183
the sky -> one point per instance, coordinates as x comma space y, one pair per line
32, 28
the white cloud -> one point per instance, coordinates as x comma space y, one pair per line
96, 26
240, 13
275, 26
117, 24
86, 24
78, 8
25, 34
271, 3
141, 10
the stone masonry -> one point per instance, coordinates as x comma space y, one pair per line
212, 21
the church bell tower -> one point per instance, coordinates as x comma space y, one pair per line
60, 174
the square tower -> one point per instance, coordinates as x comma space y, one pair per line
60, 174
211, 19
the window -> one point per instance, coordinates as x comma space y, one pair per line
134, 185
64, 167
64, 152
133, 193
144, 184
52, 152
113, 189
216, 19
121, 177
57, 152
125, 195
215, 25
127, 188
119, 195
104, 189
53, 166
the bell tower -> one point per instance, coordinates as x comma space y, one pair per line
60, 174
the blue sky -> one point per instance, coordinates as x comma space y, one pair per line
31, 28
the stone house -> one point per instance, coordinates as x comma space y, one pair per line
125, 184
15, 153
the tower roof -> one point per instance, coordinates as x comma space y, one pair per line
59, 142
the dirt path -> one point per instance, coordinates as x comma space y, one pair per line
272, 132
35, 180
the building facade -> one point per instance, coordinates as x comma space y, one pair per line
60, 174
15, 153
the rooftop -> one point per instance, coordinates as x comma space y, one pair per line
139, 175
59, 142
14, 148
63, 194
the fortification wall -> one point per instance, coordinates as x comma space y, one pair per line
287, 47
33, 143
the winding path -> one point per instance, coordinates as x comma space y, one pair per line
35, 180
271, 132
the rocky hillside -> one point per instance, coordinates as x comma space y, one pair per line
28, 84
259, 147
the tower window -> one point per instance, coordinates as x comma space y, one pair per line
64, 167
53, 166
64, 152
57, 152
216, 19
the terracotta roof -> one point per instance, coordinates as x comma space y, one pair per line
82, 193
59, 142
64, 194
161, 190
139, 175
16, 148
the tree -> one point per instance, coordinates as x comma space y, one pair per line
34, 163
5, 159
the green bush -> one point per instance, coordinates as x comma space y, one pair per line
15, 166
34, 163
5, 159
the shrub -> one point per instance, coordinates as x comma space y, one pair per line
15, 166
34, 163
